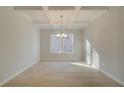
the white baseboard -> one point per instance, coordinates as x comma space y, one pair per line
112, 77
16, 74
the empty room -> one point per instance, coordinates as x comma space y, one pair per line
61, 46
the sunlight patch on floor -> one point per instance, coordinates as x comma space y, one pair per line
83, 65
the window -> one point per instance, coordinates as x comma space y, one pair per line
68, 43
61, 43
55, 44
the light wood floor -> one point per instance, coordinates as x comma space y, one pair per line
61, 74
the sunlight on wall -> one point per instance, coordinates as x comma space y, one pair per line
95, 63
88, 53
92, 57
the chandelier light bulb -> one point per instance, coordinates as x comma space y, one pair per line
62, 34
65, 35
58, 35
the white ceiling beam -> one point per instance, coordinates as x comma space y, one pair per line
76, 13
46, 12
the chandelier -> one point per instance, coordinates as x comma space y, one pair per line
61, 35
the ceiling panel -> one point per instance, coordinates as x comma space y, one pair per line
88, 15
94, 8
61, 8
55, 16
28, 8
36, 16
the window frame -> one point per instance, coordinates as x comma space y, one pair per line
62, 44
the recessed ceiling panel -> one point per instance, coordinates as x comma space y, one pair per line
94, 8
28, 8
61, 8
56, 19
36, 16
88, 15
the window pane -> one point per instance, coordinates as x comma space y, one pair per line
55, 44
68, 43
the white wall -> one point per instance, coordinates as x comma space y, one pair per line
106, 35
45, 47
19, 43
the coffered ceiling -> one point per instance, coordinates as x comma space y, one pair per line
74, 17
